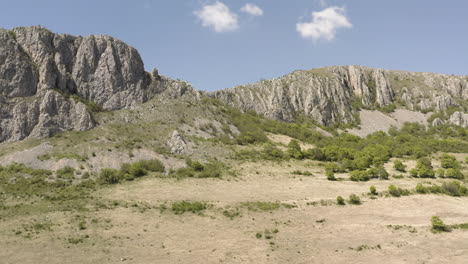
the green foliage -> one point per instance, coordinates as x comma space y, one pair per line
305, 173
354, 199
340, 200
182, 207
440, 173
438, 225
453, 188
449, 161
196, 169
397, 191
423, 169
66, 173
261, 206
330, 175
12, 34
388, 108
294, 150
359, 176
454, 174
110, 176
373, 190
399, 166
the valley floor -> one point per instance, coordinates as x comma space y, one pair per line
299, 222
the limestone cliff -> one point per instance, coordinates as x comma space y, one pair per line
334, 94
39, 70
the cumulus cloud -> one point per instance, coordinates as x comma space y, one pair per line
252, 9
324, 24
218, 17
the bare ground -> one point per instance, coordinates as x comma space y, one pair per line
307, 233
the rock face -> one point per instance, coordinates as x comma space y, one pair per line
177, 143
39, 70
333, 95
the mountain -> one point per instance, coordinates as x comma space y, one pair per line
51, 82
334, 95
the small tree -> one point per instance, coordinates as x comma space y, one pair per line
340, 200
438, 225
399, 166
330, 175
354, 199
394, 191
294, 150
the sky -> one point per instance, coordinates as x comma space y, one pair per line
220, 44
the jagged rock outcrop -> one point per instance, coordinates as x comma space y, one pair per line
177, 143
332, 95
39, 70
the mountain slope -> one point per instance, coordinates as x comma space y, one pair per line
49, 82
333, 95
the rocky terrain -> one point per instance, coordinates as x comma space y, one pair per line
50, 82
335, 94
103, 162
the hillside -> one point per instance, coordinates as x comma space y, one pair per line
103, 162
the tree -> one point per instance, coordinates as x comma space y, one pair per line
294, 150
399, 166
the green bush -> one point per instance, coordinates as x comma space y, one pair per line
438, 225
359, 176
330, 175
340, 200
373, 190
397, 191
413, 172
449, 161
294, 150
110, 176
66, 173
182, 207
454, 174
420, 188
399, 166
354, 199
440, 173
196, 165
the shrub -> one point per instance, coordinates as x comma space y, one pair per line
413, 172
330, 175
382, 173
454, 188
373, 190
454, 174
294, 150
440, 173
397, 191
66, 173
359, 176
196, 165
185, 206
399, 166
109, 176
420, 188
340, 200
438, 225
354, 199
393, 191
153, 165
449, 161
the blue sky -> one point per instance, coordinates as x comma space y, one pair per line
220, 44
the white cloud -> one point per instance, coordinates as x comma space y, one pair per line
324, 24
252, 9
218, 17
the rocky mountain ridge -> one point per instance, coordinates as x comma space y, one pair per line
39, 70
51, 83
335, 94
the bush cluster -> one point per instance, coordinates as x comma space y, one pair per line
130, 171
196, 169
